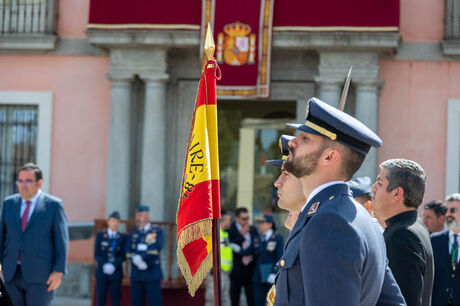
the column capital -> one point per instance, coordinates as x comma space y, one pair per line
367, 84
120, 79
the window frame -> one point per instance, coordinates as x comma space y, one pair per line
44, 101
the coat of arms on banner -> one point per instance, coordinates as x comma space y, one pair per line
236, 46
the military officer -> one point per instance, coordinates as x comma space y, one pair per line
335, 254
144, 246
268, 253
109, 251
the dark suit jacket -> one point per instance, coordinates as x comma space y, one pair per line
335, 255
411, 257
44, 243
234, 236
444, 278
103, 253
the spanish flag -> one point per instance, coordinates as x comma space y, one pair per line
199, 201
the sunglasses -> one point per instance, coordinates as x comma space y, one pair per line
245, 219
452, 210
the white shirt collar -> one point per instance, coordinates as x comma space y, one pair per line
318, 189
268, 234
34, 199
147, 227
111, 233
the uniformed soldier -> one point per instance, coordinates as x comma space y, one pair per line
144, 246
268, 253
109, 251
335, 254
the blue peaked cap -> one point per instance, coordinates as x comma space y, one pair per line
360, 186
265, 218
115, 214
142, 208
283, 142
325, 120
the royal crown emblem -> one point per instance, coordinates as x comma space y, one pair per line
236, 46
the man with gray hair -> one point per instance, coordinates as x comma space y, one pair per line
398, 192
446, 289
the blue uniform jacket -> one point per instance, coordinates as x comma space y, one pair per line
110, 250
268, 253
148, 245
335, 255
44, 243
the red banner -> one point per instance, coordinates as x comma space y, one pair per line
243, 35
199, 201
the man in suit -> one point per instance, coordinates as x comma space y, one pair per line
434, 216
109, 251
446, 289
335, 254
33, 241
398, 192
143, 248
246, 237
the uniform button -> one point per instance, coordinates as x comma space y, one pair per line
331, 197
282, 263
447, 290
453, 275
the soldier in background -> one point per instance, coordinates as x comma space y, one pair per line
144, 246
109, 251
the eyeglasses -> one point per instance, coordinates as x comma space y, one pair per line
452, 210
26, 182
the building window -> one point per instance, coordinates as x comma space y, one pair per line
453, 147
25, 135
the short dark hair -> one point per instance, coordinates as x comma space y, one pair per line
34, 168
240, 210
351, 159
365, 197
437, 206
408, 175
453, 197
224, 212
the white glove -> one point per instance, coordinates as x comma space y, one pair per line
142, 266
271, 278
108, 268
236, 248
137, 259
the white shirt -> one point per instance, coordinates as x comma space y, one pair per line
268, 234
318, 189
33, 203
146, 227
111, 233
246, 236
451, 243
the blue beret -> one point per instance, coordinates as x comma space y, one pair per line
283, 142
115, 214
265, 218
142, 208
327, 121
360, 186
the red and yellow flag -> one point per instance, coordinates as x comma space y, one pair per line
199, 201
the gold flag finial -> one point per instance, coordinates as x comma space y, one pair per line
209, 45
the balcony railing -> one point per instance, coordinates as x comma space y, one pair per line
27, 16
28, 24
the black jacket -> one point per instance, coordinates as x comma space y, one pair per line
235, 237
410, 257
445, 278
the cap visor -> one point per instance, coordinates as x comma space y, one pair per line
275, 163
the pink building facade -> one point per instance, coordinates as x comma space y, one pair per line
114, 107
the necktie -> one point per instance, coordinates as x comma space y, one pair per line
454, 250
25, 216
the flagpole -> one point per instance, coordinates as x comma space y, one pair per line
209, 48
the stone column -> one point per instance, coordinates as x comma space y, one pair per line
329, 91
154, 145
367, 111
118, 174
